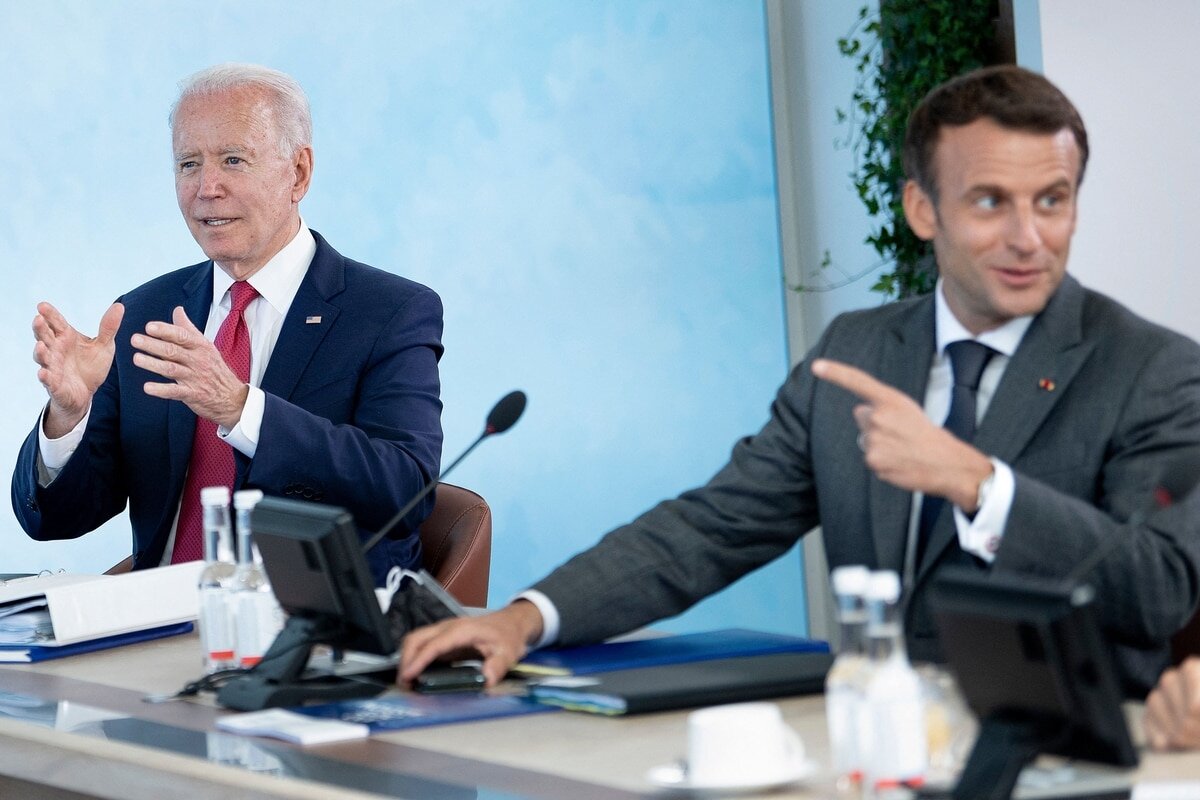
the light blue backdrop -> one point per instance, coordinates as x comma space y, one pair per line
588, 185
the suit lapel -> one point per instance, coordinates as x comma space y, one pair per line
1038, 376
308, 321
1035, 380
905, 359
181, 420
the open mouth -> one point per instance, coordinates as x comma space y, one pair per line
216, 222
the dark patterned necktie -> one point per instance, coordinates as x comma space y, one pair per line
967, 361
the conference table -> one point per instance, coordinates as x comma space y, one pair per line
79, 727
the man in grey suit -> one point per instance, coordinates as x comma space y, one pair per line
1084, 412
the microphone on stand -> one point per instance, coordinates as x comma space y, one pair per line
502, 417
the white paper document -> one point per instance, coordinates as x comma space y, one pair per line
27, 627
289, 726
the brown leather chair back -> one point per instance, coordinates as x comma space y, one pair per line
457, 542
456, 539
121, 567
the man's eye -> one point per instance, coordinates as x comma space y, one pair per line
987, 201
1050, 201
186, 165
233, 160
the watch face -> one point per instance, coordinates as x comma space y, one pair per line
985, 488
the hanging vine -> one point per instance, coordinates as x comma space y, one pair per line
900, 53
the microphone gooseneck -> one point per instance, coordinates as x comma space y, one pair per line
502, 417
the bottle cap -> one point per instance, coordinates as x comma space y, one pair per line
884, 585
850, 580
246, 499
214, 496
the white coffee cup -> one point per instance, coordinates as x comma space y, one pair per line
741, 745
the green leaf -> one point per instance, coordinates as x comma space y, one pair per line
901, 51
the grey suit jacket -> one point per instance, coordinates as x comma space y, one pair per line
1095, 411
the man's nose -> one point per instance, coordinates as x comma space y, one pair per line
210, 185
1023, 234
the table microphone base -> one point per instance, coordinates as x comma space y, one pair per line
278, 679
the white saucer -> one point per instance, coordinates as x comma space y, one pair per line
674, 776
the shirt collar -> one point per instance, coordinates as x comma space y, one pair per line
279, 279
1003, 340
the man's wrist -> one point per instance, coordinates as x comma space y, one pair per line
527, 619
238, 407
57, 422
975, 483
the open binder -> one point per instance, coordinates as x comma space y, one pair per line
87, 609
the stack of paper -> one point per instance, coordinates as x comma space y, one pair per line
26, 623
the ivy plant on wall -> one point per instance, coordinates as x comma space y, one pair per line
900, 53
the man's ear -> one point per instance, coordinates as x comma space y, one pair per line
302, 163
920, 211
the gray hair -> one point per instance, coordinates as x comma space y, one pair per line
293, 119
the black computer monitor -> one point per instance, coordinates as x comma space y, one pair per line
313, 557
1035, 668
314, 560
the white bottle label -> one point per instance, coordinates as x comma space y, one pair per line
216, 628
841, 711
257, 626
898, 740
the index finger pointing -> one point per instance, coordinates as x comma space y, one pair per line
852, 379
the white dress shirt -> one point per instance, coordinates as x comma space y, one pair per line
276, 283
980, 536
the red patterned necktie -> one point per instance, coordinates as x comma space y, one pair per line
212, 461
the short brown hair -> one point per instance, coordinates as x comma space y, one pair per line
1010, 95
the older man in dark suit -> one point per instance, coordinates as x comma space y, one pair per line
276, 364
1064, 414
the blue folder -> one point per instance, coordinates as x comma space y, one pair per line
663, 650
397, 711
28, 653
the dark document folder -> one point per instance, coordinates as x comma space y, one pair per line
701, 683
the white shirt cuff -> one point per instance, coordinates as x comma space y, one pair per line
243, 437
549, 614
982, 536
53, 454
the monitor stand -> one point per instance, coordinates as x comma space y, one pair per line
1006, 744
280, 679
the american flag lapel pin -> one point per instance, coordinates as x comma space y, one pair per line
1046, 385
313, 320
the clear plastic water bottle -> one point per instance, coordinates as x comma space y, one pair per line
259, 618
846, 683
217, 632
897, 745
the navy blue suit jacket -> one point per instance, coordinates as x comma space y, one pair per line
352, 417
